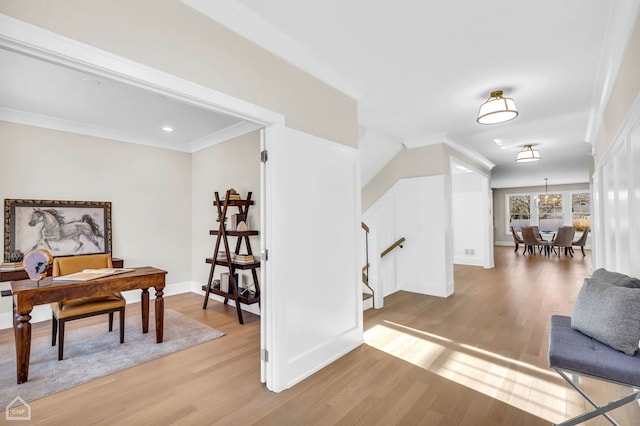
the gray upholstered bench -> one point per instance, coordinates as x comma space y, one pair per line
576, 354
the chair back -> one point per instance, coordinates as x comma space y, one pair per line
73, 264
565, 236
516, 238
529, 236
582, 241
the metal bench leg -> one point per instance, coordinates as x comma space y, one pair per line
599, 410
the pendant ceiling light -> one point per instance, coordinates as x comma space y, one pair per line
546, 198
497, 109
527, 154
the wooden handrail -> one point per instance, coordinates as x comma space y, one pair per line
392, 246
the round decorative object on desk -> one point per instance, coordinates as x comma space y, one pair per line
35, 263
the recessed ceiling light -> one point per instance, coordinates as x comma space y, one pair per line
167, 129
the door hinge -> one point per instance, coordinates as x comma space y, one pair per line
263, 156
264, 254
264, 355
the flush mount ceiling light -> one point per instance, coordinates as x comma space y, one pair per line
167, 129
497, 109
527, 155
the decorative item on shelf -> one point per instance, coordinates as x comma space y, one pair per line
497, 109
36, 262
225, 221
242, 226
244, 258
233, 194
235, 219
527, 155
223, 256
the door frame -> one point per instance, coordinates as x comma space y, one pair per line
42, 44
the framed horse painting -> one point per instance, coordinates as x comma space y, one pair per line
64, 228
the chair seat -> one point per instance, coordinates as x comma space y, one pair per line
86, 305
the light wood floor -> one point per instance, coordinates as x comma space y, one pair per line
476, 358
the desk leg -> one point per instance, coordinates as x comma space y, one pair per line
159, 314
144, 302
23, 345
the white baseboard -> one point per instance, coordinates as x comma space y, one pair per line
470, 261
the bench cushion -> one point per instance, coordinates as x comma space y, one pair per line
608, 313
615, 278
571, 350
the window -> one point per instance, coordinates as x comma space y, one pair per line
550, 206
581, 210
519, 211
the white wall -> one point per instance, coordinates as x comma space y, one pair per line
232, 164
149, 190
418, 209
469, 227
617, 201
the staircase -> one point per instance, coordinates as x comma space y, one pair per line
369, 292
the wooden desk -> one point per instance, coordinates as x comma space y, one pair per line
27, 294
21, 274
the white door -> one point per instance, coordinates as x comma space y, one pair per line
313, 307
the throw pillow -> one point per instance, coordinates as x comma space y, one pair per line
615, 278
608, 313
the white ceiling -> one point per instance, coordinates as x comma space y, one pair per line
40, 93
419, 70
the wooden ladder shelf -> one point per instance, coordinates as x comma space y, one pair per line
232, 263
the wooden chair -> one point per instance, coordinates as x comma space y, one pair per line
85, 307
564, 239
516, 239
582, 241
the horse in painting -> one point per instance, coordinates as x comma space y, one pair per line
55, 228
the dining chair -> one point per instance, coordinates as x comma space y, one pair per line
516, 239
564, 239
532, 241
85, 307
582, 241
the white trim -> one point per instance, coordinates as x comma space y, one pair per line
35, 41
622, 17
472, 154
49, 122
231, 132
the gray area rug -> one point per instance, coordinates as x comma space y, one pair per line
92, 352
